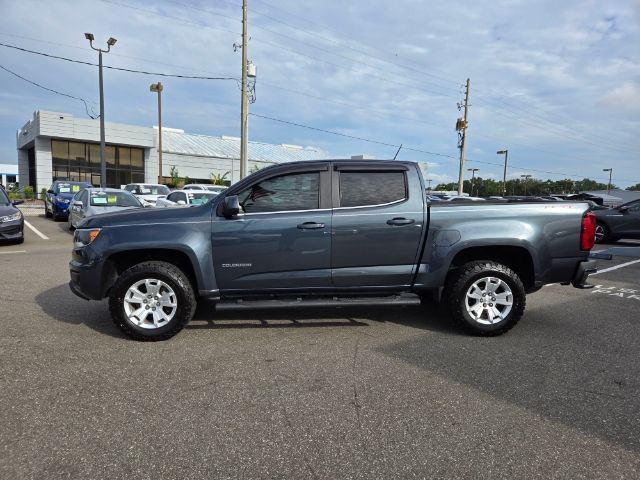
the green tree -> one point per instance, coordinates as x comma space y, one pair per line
175, 176
634, 188
220, 179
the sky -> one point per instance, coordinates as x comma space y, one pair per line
555, 83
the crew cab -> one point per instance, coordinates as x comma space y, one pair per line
330, 228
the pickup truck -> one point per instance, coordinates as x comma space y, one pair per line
333, 228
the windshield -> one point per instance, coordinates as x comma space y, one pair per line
71, 187
200, 198
114, 199
153, 190
3, 197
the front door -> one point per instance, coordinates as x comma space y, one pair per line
281, 239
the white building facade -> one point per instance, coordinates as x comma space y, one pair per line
60, 146
8, 174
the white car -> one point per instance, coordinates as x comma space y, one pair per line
191, 198
205, 186
148, 193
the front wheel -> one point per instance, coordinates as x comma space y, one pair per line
152, 301
485, 297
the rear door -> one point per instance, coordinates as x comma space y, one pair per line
378, 218
281, 240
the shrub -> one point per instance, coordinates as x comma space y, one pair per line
28, 192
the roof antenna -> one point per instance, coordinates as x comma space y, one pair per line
396, 155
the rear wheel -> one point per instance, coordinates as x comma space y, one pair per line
485, 297
152, 301
602, 232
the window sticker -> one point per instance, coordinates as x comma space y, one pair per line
112, 199
99, 201
75, 188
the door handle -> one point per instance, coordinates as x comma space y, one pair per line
400, 221
310, 226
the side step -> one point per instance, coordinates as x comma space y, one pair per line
305, 302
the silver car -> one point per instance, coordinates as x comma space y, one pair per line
192, 198
94, 201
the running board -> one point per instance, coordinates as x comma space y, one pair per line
318, 302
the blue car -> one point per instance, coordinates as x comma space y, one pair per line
56, 202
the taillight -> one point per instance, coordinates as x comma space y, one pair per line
588, 232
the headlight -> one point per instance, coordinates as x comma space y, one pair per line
83, 237
62, 200
11, 218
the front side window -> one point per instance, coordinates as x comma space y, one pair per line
359, 189
299, 191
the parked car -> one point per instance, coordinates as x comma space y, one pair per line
11, 219
284, 231
191, 198
615, 223
205, 186
94, 201
148, 193
58, 197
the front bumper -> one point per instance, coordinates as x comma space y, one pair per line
12, 230
582, 272
86, 273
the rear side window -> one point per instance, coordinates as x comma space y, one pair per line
289, 192
359, 189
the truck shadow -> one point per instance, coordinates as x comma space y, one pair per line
580, 370
62, 305
434, 318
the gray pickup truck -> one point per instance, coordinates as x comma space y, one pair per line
335, 228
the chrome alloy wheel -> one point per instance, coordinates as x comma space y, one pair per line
150, 303
489, 300
599, 233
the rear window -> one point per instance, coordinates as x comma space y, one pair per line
114, 199
359, 189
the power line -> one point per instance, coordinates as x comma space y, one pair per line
86, 107
443, 155
142, 72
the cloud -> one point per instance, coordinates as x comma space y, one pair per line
626, 96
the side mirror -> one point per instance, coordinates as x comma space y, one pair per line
17, 202
78, 203
50, 191
181, 202
231, 206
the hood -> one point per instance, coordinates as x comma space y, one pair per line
7, 209
69, 195
142, 216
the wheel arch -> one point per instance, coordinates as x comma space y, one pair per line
518, 259
118, 262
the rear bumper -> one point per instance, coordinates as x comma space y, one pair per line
583, 270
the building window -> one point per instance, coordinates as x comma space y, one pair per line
80, 161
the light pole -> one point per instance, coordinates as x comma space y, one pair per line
103, 161
473, 176
157, 87
610, 170
504, 175
526, 177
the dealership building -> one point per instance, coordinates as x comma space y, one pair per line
60, 146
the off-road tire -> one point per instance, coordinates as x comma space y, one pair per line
461, 280
167, 273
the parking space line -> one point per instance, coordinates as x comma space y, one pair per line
36, 231
14, 251
615, 267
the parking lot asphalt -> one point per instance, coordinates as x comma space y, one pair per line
384, 391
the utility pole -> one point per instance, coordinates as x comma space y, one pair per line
244, 107
526, 177
461, 126
473, 177
610, 170
504, 152
157, 87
